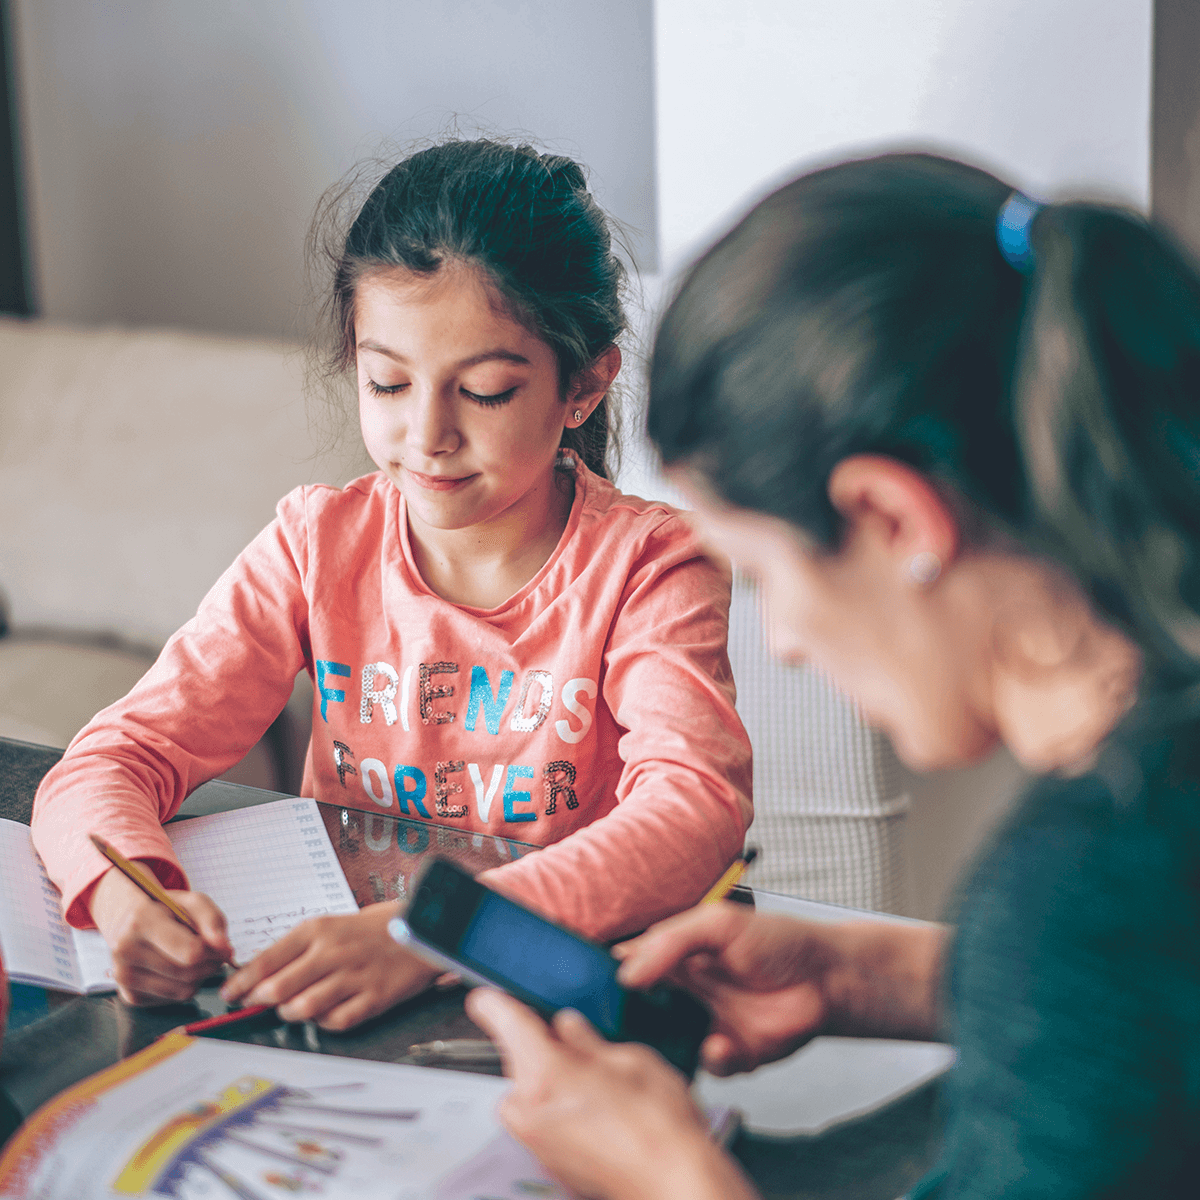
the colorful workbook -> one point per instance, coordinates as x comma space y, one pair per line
268, 868
191, 1117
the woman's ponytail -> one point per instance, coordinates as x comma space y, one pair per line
1107, 415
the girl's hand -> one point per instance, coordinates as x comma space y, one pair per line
773, 982
156, 959
337, 971
611, 1122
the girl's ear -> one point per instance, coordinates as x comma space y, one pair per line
591, 385
903, 510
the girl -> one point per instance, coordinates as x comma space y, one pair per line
499, 639
956, 436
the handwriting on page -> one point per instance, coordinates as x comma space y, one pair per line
255, 934
269, 868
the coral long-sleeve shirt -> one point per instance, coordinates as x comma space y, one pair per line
591, 713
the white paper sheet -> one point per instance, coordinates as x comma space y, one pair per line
830, 1080
268, 868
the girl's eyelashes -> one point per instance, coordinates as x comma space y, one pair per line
378, 389
490, 401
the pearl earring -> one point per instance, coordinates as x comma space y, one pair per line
924, 568
579, 416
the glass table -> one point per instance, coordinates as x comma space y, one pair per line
877, 1157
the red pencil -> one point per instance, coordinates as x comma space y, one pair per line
229, 1018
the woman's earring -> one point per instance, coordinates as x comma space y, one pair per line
924, 568
579, 416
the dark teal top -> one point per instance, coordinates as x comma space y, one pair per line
1074, 984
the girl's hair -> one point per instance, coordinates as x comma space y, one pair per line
867, 308
528, 222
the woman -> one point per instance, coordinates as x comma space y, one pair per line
957, 438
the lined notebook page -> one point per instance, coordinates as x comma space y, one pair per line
268, 868
35, 940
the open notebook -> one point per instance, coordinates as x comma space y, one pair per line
268, 868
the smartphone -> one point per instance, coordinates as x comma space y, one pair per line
455, 923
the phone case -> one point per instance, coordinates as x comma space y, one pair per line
400, 932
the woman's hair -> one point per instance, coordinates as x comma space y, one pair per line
524, 219
867, 308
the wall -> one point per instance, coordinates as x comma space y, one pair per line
1053, 95
175, 151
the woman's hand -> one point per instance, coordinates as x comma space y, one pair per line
773, 982
155, 958
611, 1122
337, 971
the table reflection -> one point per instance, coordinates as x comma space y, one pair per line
381, 855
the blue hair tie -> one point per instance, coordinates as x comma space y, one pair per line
1012, 230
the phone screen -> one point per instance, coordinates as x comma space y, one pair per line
564, 972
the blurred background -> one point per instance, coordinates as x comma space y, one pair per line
163, 161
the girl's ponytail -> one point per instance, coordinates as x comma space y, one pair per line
1106, 409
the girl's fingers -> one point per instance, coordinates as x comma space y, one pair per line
210, 920
318, 999
291, 979
266, 964
163, 946
349, 1013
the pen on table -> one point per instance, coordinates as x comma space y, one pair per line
144, 880
475, 1050
725, 884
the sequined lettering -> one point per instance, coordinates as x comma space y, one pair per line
327, 667
482, 698
442, 790
521, 723
383, 696
558, 778
427, 693
514, 795
341, 752
416, 793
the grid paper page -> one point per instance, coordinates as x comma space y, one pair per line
36, 943
268, 868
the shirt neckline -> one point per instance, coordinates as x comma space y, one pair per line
400, 511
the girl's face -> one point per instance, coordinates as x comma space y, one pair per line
460, 405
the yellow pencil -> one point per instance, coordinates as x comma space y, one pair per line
142, 879
725, 884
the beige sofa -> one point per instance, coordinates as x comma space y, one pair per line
134, 465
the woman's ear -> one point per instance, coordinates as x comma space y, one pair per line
591, 385
901, 508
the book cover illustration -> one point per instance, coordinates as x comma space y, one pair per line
199, 1119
